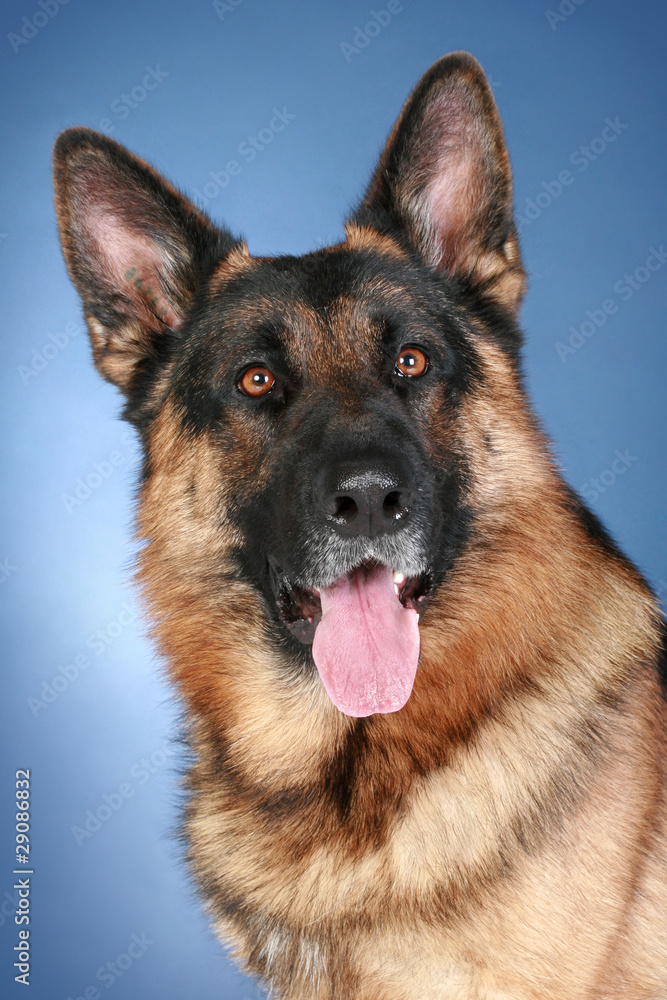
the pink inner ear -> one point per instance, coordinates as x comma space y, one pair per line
455, 157
132, 265
450, 202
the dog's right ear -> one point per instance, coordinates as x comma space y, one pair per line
135, 248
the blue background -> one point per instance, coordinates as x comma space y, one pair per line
67, 572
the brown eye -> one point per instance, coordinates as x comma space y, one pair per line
256, 381
411, 362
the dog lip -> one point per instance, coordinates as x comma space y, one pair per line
300, 609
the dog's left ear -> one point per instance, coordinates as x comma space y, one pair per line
444, 179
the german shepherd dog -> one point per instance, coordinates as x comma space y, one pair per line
422, 685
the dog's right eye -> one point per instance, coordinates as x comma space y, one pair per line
411, 363
256, 381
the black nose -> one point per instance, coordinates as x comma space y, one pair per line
364, 497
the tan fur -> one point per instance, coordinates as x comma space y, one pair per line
235, 263
365, 238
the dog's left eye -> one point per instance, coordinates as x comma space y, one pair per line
256, 381
411, 362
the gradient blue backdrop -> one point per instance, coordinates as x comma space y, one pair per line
66, 568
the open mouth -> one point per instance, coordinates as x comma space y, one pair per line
300, 608
364, 630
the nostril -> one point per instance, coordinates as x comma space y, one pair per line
391, 501
394, 505
345, 509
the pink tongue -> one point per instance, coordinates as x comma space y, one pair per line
366, 646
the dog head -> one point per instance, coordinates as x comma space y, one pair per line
323, 434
